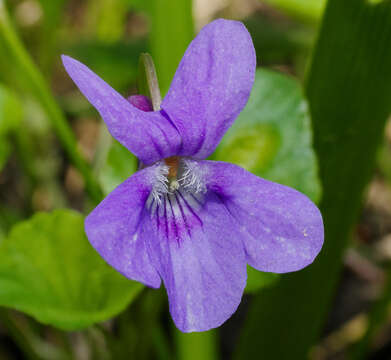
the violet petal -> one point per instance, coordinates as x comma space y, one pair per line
148, 135
211, 86
281, 229
115, 228
199, 258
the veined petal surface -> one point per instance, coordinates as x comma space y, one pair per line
211, 86
148, 135
281, 229
200, 259
116, 228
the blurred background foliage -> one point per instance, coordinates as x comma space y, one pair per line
315, 121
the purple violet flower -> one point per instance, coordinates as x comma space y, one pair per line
195, 223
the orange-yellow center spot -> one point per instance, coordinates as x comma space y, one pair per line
173, 164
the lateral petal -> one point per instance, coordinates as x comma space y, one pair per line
119, 230
281, 229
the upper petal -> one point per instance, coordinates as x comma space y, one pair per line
148, 135
199, 258
281, 229
211, 86
115, 228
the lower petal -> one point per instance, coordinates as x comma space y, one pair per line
116, 228
281, 229
200, 259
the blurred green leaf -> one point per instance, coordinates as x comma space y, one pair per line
257, 280
10, 117
5, 151
49, 270
120, 164
140, 5
106, 19
52, 12
8, 218
272, 135
384, 160
279, 41
171, 32
350, 99
272, 139
10, 111
116, 63
310, 10
48, 33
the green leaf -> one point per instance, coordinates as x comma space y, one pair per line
272, 139
116, 63
5, 151
384, 160
10, 111
272, 135
10, 117
49, 28
140, 5
350, 102
120, 164
171, 32
49, 270
309, 10
257, 280
279, 42
107, 18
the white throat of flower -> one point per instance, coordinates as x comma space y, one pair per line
188, 179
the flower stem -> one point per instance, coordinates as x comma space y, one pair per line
41, 92
202, 345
